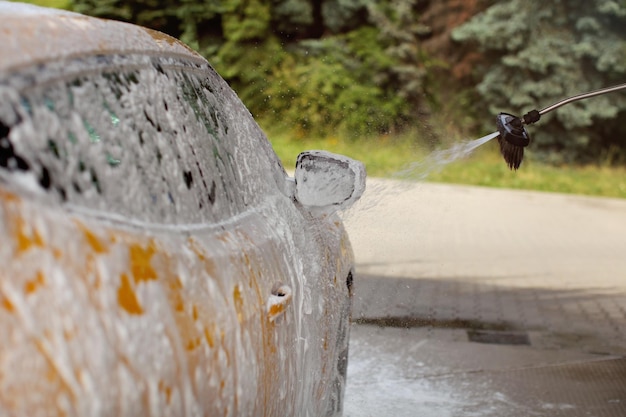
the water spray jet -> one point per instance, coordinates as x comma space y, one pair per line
513, 137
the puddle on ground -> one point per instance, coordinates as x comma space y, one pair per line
387, 376
397, 372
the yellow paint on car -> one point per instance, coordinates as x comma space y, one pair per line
25, 237
276, 310
140, 266
166, 390
174, 295
92, 240
32, 285
238, 298
7, 305
127, 298
209, 337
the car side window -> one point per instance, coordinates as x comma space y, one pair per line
149, 138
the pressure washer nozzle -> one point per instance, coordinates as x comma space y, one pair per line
513, 139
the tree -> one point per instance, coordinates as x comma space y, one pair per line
537, 53
410, 67
318, 66
364, 81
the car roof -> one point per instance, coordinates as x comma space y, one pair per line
32, 34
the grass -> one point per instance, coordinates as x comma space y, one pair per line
487, 168
381, 156
58, 4
390, 157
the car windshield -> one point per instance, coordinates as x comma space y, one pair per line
143, 137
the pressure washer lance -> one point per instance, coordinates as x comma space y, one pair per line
514, 137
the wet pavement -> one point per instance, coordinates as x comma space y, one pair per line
482, 302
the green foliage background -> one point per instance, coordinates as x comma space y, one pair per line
333, 67
358, 69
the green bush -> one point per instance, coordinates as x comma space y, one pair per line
327, 87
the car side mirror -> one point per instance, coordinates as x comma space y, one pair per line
328, 181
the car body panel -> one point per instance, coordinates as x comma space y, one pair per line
102, 318
155, 260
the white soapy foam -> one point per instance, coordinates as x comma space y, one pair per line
328, 182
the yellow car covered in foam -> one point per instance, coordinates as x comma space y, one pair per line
155, 257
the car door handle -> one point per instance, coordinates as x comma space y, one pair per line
278, 301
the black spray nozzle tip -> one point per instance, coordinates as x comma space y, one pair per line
513, 139
512, 130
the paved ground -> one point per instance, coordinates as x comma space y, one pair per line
475, 301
